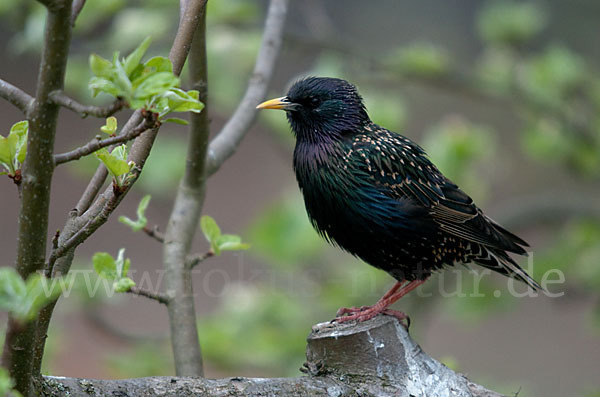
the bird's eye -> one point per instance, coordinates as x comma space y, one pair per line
314, 101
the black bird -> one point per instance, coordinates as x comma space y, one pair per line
375, 194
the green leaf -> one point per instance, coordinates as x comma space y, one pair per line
100, 84
159, 64
122, 79
122, 264
116, 161
12, 287
104, 265
134, 59
24, 299
181, 101
120, 152
5, 154
142, 206
175, 120
14, 147
38, 294
157, 83
101, 67
110, 127
141, 222
231, 242
123, 285
211, 231
134, 225
20, 129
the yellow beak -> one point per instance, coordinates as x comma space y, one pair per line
277, 103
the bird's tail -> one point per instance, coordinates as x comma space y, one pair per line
499, 261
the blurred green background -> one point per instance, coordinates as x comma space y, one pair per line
503, 95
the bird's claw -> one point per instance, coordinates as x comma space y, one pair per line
351, 310
365, 313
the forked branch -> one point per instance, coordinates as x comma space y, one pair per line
228, 139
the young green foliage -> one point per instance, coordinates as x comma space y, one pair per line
24, 299
510, 22
13, 148
110, 127
141, 221
420, 59
116, 162
150, 85
220, 242
113, 269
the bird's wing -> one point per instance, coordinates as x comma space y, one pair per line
403, 171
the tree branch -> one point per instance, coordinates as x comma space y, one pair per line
154, 233
36, 180
374, 358
191, 10
16, 96
183, 221
194, 260
76, 9
82, 234
160, 298
55, 5
98, 144
91, 190
62, 99
86, 209
228, 139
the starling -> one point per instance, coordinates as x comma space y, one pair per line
375, 194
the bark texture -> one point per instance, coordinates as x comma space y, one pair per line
373, 358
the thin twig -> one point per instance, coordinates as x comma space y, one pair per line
157, 296
228, 139
98, 144
76, 9
194, 260
62, 99
16, 96
154, 233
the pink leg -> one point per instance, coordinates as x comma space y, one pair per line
368, 312
349, 310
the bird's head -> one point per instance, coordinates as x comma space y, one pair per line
321, 108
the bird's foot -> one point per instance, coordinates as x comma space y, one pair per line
365, 313
351, 310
